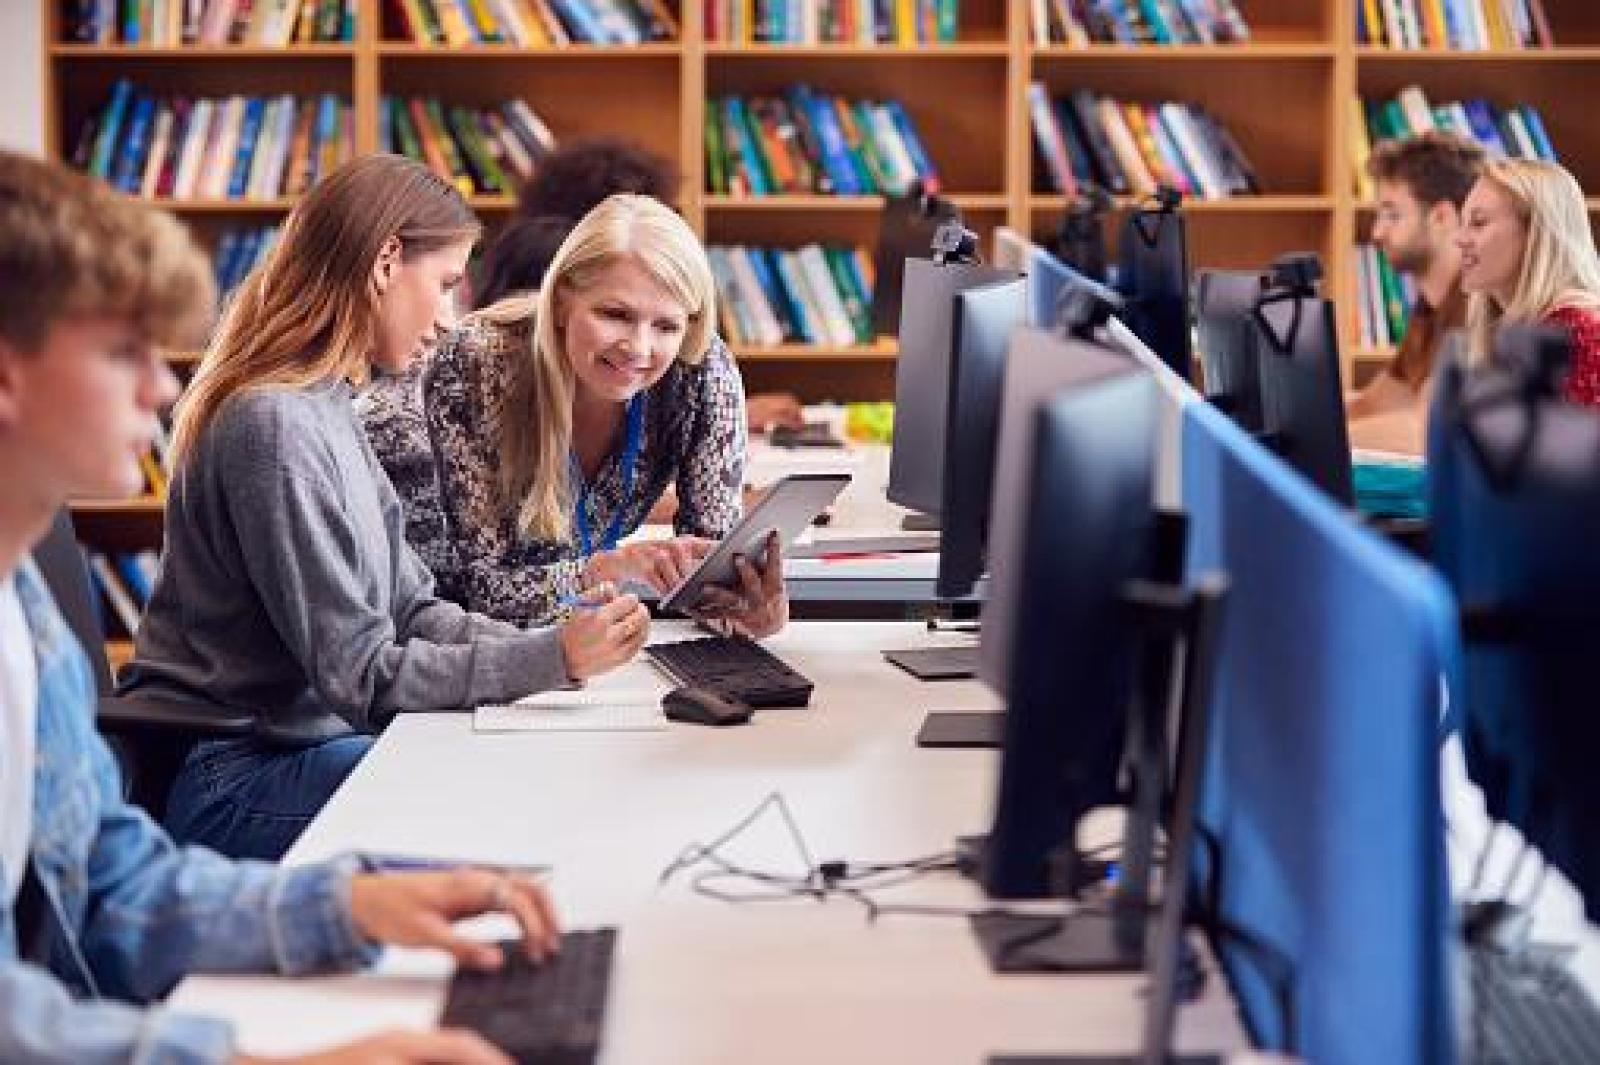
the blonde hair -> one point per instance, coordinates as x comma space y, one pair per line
71, 247
1559, 267
536, 425
309, 312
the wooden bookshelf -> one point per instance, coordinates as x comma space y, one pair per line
1285, 95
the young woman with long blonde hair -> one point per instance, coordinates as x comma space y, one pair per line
1528, 255
287, 587
557, 419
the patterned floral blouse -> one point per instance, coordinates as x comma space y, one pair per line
437, 430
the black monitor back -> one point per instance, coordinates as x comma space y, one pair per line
1224, 307
1514, 484
1153, 275
983, 323
905, 231
1302, 394
1039, 365
922, 377
1087, 534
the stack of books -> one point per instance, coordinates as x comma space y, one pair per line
170, 23
1383, 299
238, 251
124, 581
809, 142
1129, 147
235, 148
1083, 22
810, 295
1504, 131
535, 23
1467, 25
900, 22
485, 152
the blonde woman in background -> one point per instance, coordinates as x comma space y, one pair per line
1528, 255
557, 419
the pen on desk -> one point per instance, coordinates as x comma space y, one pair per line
415, 863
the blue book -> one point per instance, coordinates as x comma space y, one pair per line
1536, 130
135, 145
1481, 115
778, 294
130, 21
919, 155
110, 126
133, 577
788, 268
225, 259
249, 131
580, 22
737, 132
835, 152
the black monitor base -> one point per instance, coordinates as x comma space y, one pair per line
916, 521
937, 663
1050, 943
962, 730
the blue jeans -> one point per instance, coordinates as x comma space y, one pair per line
250, 799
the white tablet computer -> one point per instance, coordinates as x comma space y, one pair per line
786, 509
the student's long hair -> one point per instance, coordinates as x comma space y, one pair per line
1559, 266
309, 312
536, 426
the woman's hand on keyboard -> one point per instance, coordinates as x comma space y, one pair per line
448, 1047
604, 631
420, 910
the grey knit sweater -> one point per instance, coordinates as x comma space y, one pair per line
287, 587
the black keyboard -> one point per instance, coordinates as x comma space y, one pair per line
1528, 1010
733, 667
549, 1013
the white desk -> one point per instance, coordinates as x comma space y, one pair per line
697, 980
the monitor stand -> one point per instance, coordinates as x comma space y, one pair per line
916, 521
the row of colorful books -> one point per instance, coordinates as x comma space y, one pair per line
237, 147
901, 22
1383, 298
484, 151
811, 295
1083, 22
536, 23
124, 582
1467, 25
171, 23
809, 142
238, 250
1517, 130
1129, 147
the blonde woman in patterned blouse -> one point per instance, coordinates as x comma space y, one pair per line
556, 420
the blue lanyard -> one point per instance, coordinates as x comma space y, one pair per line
630, 461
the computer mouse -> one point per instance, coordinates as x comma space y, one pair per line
702, 706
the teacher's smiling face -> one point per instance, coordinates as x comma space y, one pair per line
621, 332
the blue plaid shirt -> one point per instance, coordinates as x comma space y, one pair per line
132, 913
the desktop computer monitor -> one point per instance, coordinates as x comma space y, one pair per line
1321, 872
1514, 484
905, 231
1229, 361
1039, 365
1302, 392
1153, 277
1176, 394
1085, 533
983, 323
922, 377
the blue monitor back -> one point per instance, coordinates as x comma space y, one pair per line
1047, 277
1323, 868
1515, 503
